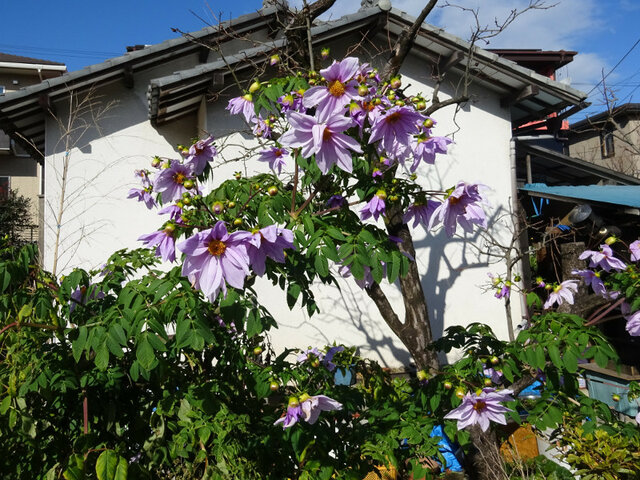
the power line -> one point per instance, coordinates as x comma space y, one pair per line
616, 66
56, 51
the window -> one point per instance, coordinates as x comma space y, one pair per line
606, 143
4, 188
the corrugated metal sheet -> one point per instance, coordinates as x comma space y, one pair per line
624, 195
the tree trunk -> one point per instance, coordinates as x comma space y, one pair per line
415, 332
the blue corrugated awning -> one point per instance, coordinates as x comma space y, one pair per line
625, 195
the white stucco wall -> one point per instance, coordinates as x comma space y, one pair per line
100, 220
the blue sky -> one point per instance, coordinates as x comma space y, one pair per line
87, 32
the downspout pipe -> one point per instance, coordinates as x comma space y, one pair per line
515, 208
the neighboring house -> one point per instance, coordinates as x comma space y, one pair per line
171, 92
19, 170
610, 139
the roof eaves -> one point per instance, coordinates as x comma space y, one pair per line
70, 80
600, 118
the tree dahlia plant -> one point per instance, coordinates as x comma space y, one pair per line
154, 374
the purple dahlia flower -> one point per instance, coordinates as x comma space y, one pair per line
170, 181
394, 129
322, 138
592, 279
200, 153
420, 213
312, 406
174, 211
163, 241
603, 259
294, 413
214, 258
562, 293
143, 195
633, 324
340, 89
327, 360
481, 409
425, 149
310, 353
375, 207
634, 248
460, 207
277, 158
243, 105
268, 242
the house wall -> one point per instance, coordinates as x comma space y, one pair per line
99, 219
587, 146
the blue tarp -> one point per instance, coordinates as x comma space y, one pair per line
625, 195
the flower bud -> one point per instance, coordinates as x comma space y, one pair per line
232, 204
237, 222
274, 60
460, 392
421, 106
611, 240
324, 53
447, 385
188, 184
257, 351
273, 190
217, 208
428, 123
237, 175
273, 385
422, 375
363, 90
155, 162
395, 83
255, 86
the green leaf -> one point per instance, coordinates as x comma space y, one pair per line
4, 406
145, 353
73, 473
293, 292
102, 356
254, 325
570, 361
554, 355
110, 466
77, 347
322, 265
394, 271
24, 312
335, 233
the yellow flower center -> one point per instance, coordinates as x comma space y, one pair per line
179, 178
336, 88
479, 405
216, 247
326, 135
453, 200
393, 118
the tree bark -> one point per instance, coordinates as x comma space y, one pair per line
415, 332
